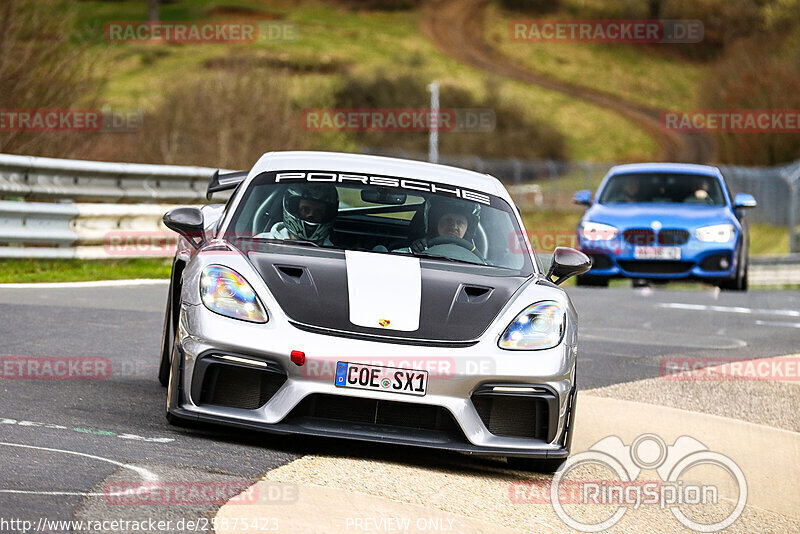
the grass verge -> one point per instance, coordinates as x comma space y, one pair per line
39, 270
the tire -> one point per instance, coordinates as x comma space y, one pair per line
173, 419
591, 281
536, 465
167, 339
739, 283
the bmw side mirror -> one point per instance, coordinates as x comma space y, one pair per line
744, 200
188, 222
584, 198
567, 262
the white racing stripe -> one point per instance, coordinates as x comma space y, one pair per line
384, 291
729, 309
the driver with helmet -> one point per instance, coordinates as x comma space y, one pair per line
308, 214
448, 221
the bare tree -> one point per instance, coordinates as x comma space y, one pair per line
40, 68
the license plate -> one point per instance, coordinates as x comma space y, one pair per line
657, 253
378, 378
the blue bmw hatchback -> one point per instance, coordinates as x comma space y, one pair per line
665, 221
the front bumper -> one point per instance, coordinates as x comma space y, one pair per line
454, 414
698, 260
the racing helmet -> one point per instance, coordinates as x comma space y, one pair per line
436, 206
304, 229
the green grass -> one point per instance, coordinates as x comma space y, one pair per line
365, 42
638, 73
33, 270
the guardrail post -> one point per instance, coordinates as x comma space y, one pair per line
794, 198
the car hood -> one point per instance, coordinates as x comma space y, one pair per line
385, 295
669, 215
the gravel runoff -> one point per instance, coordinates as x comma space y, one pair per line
497, 496
764, 402
491, 493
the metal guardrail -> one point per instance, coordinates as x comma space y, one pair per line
35, 178
88, 231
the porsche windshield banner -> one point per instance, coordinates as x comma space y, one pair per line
413, 185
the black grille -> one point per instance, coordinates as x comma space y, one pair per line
239, 387
655, 267
600, 261
673, 237
514, 416
378, 412
640, 236
713, 262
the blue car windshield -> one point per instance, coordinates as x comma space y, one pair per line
663, 188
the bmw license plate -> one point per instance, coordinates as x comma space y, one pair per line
378, 378
657, 253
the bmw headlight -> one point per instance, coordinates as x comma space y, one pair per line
717, 233
593, 231
539, 326
226, 292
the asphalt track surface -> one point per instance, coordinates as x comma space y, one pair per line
48, 427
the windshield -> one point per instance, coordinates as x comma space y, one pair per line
669, 188
381, 214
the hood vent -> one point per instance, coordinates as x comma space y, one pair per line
473, 294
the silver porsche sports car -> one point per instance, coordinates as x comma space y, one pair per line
375, 299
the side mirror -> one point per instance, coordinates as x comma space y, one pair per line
584, 198
567, 262
188, 222
744, 200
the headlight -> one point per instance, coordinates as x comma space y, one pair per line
539, 326
598, 232
227, 293
718, 233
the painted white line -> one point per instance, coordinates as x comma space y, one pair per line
778, 323
56, 493
729, 309
146, 474
97, 283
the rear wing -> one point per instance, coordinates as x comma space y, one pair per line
224, 182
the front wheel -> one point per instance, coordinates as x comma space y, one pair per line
167, 339
739, 283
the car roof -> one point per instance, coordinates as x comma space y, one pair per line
382, 165
680, 168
